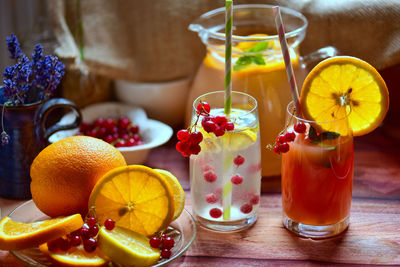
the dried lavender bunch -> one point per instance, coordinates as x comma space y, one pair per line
28, 81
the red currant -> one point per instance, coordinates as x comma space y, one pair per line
85, 127
75, 240
98, 122
155, 242
165, 253
183, 135
91, 221
134, 129
168, 242
211, 198
90, 244
276, 149
220, 121
237, 179
53, 245
284, 147
246, 208
109, 224
255, 200
93, 231
230, 126
196, 137
109, 139
219, 130
238, 160
281, 139
203, 107
300, 127
124, 122
120, 143
85, 231
208, 125
210, 177
64, 245
130, 142
290, 136
194, 149
215, 213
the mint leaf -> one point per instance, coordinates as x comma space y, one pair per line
318, 138
258, 60
259, 47
246, 60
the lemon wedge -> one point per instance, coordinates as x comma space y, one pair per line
127, 248
177, 191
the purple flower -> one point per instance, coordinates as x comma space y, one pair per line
14, 47
5, 138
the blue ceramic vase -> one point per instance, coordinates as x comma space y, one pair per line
26, 125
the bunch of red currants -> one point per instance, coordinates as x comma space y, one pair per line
87, 235
189, 141
120, 132
163, 242
282, 140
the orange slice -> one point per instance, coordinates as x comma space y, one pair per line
75, 256
340, 85
135, 197
18, 235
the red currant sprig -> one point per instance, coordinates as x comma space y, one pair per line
189, 139
283, 140
163, 242
86, 235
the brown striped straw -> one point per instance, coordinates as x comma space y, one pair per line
286, 57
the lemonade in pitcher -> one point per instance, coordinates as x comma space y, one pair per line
258, 66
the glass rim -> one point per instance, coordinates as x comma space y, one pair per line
252, 110
291, 105
238, 38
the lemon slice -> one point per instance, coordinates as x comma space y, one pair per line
18, 235
230, 141
135, 197
340, 84
177, 190
75, 256
127, 248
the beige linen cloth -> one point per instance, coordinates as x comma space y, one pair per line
149, 40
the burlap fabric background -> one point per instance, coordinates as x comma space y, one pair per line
148, 41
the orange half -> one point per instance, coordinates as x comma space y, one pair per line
345, 85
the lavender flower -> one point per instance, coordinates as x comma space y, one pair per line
29, 81
5, 138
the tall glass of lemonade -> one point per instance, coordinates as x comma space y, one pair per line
225, 176
258, 66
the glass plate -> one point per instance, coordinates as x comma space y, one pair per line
183, 230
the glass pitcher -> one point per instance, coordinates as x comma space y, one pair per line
258, 66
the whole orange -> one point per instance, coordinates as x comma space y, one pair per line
65, 172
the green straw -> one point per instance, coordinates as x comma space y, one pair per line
227, 188
228, 56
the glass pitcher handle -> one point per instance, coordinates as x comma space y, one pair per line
315, 57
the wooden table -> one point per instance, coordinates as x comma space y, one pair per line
373, 237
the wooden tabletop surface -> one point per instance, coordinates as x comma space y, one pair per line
373, 237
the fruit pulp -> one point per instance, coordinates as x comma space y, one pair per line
317, 180
211, 172
268, 84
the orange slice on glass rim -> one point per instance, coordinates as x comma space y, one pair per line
345, 85
135, 197
18, 235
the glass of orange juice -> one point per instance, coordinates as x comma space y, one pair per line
317, 176
258, 66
